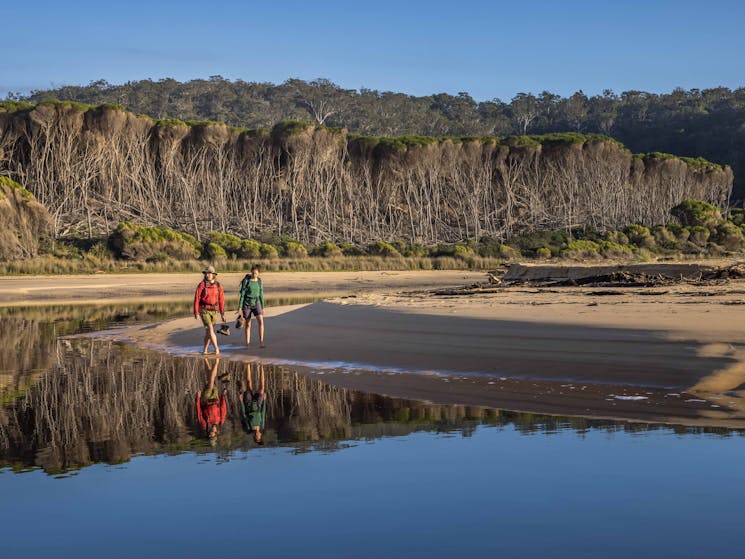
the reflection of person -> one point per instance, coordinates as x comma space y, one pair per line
209, 298
253, 406
212, 406
251, 302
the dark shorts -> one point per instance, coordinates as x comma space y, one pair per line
255, 311
248, 397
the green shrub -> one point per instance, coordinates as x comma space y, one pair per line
692, 213
462, 252
326, 250
610, 249
737, 216
618, 237
543, 252
349, 249
139, 242
639, 235
698, 235
663, 237
213, 251
268, 252
730, 236
527, 243
381, 248
230, 244
250, 249
581, 248
293, 249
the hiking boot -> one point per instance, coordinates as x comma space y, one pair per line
224, 330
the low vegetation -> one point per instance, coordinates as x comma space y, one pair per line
701, 231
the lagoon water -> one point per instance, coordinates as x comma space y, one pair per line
101, 455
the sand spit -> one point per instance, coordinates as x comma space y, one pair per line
674, 355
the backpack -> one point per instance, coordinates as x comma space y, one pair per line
244, 290
210, 296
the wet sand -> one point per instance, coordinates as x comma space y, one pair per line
673, 355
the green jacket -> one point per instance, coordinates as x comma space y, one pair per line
251, 293
253, 414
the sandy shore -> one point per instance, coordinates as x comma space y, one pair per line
675, 354
116, 288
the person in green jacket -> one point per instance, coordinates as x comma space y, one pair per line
251, 302
253, 406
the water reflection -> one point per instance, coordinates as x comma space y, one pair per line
253, 404
103, 402
211, 404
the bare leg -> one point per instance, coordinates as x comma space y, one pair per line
261, 376
211, 337
213, 372
248, 377
248, 330
260, 320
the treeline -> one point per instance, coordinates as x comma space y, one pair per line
94, 167
707, 123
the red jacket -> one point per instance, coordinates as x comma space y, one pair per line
209, 296
211, 413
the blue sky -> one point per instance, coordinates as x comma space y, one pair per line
486, 48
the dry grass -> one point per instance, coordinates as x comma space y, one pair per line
50, 265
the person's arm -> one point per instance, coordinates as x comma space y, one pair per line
197, 296
261, 294
200, 417
221, 296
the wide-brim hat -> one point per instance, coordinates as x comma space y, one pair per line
209, 270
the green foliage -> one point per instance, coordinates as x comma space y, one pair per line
381, 248
699, 235
213, 251
139, 242
665, 238
111, 107
15, 106
292, 249
349, 249
268, 252
543, 252
290, 128
528, 243
609, 249
326, 250
13, 185
729, 236
73, 105
166, 122
581, 249
230, 244
617, 237
696, 213
639, 235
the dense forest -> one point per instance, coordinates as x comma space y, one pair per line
94, 167
707, 123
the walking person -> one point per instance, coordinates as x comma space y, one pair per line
251, 302
211, 404
253, 406
209, 299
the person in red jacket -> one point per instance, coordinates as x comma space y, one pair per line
209, 299
212, 406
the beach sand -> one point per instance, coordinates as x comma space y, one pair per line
674, 354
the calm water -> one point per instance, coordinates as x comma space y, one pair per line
101, 454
